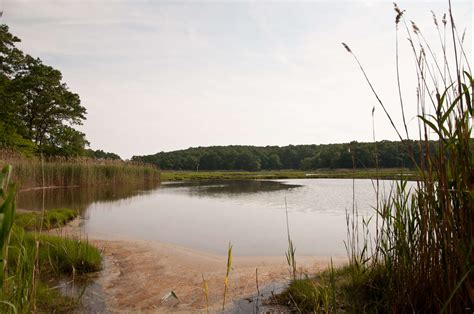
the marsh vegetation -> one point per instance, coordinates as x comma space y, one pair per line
420, 257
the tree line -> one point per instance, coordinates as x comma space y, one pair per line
38, 112
384, 154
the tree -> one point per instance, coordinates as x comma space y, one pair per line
247, 161
274, 162
35, 105
210, 161
100, 154
46, 104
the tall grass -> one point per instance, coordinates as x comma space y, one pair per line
226, 279
7, 212
423, 257
28, 172
28, 259
291, 250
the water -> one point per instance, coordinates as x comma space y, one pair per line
207, 215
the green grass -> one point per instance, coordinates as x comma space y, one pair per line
335, 290
285, 174
325, 292
35, 259
52, 301
56, 254
67, 255
52, 219
60, 254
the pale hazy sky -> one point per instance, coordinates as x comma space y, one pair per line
165, 75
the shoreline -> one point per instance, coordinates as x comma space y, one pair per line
138, 274
370, 173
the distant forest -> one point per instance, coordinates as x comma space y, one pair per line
303, 157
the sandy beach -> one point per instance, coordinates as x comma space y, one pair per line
138, 274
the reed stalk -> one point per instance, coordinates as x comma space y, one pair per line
426, 237
226, 279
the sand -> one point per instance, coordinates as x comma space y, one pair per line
138, 274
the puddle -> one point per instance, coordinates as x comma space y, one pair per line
262, 302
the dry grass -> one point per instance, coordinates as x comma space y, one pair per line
28, 172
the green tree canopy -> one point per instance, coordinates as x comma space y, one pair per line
305, 157
37, 109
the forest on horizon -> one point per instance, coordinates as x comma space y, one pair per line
383, 154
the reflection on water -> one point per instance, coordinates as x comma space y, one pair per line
79, 198
224, 187
206, 215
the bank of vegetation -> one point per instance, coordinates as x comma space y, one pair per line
56, 171
31, 259
390, 154
389, 173
420, 258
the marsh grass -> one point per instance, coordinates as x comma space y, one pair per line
421, 258
291, 250
285, 174
226, 279
32, 172
323, 293
205, 289
37, 258
31, 258
55, 218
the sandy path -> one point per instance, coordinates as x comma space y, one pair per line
138, 274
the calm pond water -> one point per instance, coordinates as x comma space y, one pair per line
206, 215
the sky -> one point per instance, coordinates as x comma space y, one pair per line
166, 75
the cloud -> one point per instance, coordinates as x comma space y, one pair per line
167, 75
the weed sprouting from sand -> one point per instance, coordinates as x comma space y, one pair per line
290, 253
205, 288
227, 273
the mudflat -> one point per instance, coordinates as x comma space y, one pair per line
139, 274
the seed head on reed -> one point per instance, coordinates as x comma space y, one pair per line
347, 47
435, 20
399, 13
416, 30
226, 279
426, 233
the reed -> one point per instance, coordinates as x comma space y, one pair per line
423, 258
205, 288
29, 259
226, 279
322, 293
55, 218
7, 212
290, 253
58, 171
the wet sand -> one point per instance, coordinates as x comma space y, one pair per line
138, 274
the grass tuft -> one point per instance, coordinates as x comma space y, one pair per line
54, 218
